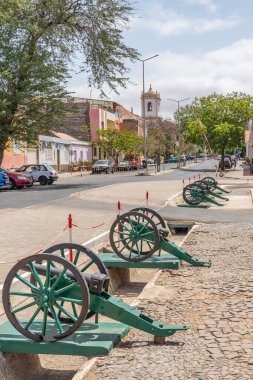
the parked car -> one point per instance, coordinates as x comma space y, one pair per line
17, 181
171, 159
124, 165
105, 166
4, 181
183, 158
227, 163
42, 173
134, 161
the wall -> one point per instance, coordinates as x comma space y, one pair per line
80, 153
14, 156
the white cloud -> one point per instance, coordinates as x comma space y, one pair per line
179, 76
166, 22
209, 4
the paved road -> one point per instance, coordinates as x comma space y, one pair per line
67, 186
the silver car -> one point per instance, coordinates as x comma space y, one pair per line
42, 173
105, 166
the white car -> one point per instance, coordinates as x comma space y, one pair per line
42, 173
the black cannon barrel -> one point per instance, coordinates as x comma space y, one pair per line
97, 282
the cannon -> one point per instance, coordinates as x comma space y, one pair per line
213, 184
134, 237
196, 193
208, 189
46, 297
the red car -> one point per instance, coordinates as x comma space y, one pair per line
18, 180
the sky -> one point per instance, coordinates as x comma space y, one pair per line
203, 46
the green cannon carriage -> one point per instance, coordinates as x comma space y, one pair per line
203, 191
137, 235
46, 297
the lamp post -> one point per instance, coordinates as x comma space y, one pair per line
143, 103
178, 103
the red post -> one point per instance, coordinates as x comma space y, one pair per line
147, 196
70, 225
119, 208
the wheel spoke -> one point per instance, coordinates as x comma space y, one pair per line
76, 257
44, 324
26, 282
120, 232
48, 278
74, 309
33, 317
72, 300
23, 294
24, 307
36, 275
142, 228
124, 239
126, 228
62, 253
59, 279
58, 323
130, 252
87, 266
62, 290
139, 253
71, 316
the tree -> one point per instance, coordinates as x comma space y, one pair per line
217, 120
162, 136
38, 41
115, 142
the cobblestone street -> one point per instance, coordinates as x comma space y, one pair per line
216, 303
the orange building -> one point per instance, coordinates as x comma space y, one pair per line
15, 155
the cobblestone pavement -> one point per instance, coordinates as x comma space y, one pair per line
215, 302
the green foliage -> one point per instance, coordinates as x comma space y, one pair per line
38, 41
217, 119
115, 142
162, 136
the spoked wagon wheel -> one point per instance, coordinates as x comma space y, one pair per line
27, 305
193, 194
153, 215
84, 259
203, 184
211, 182
134, 236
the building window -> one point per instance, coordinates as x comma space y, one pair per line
81, 155
149, 106
16, 146
102, 125
49, 155
95, 151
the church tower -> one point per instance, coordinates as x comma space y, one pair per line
152, 105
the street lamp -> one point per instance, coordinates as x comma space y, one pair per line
178, 103
143, 104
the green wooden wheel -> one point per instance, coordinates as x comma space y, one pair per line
211, 182
193, 194
134, 236
84, 259
203, 184
27, 305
